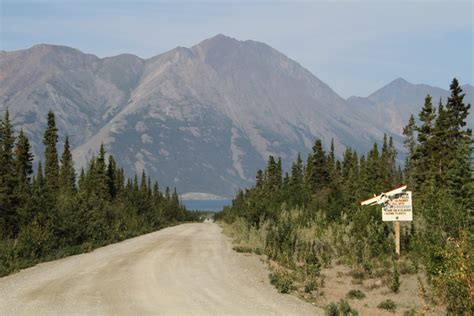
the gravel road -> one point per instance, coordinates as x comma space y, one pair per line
188, 269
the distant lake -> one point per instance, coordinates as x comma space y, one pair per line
206, 205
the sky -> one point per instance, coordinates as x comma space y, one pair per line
356, 47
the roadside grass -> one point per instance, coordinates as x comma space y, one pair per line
327, 285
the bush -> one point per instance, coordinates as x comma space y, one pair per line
243, 249
388, 305
453, 279
282, 282
395, 285
342, 308
358, 294
331, 310
310, 286
357, 274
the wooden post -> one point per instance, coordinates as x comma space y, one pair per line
397, 237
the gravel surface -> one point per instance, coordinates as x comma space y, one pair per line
188, 269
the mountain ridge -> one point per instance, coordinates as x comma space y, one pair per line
203, 118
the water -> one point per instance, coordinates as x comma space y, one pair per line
206, 205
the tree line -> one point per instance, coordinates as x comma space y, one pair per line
54, 212
313, 215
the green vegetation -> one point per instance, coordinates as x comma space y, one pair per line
358, 294
304, 219
388, 305
395, 285
282, 281
342, 308
49, 215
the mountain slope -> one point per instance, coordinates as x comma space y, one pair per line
212, 114
83, 91
202, 119
390, 107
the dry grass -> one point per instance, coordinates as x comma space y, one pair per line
339, 279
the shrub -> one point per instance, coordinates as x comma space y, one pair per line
395, 285
388, 305
243, 249
358, 294
331, 310
310, 286
357, 274
282, 282
342, 308
453, 279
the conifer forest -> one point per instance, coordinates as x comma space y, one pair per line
54, 212
310, 217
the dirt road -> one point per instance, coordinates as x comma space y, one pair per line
188, 269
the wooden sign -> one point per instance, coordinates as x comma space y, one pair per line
398, 207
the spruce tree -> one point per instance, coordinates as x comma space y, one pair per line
143, 184
259, 180
319, 177
8, 179
51, 165
424, 163
410, 145
112, 176
100, 175
296, 180
23, 159
67, 174
460, 141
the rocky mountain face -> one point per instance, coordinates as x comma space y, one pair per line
389, 108
202, 119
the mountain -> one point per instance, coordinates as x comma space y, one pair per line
202, 119
84, 91
389, 108
206, 118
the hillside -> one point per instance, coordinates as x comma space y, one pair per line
202, 119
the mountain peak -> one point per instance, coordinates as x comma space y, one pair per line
399, 82
43, 47
219, 40
222, 38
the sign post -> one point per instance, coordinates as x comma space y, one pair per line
396, 207
397, 237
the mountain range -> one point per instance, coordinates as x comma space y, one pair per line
202, 119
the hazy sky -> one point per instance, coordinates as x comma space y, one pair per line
354, 46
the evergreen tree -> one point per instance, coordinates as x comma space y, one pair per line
112, 177
259, 180
331, 160
8, 179
273, 175
23, 159
460, 143
296, 181
424, 151
143, 185
100, 175
319, 177
67, 174
410, 145
51, 167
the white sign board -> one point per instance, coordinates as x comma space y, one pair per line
398, 208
